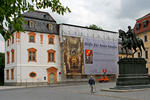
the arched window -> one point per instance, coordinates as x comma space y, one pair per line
18, 35
31, 24
12, 74
41, 37
7, 74
51, 39
12, 38
51, 55
12, 55
7, 57
31, 37
32, 54
50, 26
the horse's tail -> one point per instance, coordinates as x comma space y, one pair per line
142, 45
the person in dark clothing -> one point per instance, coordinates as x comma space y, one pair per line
131, 35
92, 83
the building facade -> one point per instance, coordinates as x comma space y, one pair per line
47, 52
88, 51
33, 55
142, 30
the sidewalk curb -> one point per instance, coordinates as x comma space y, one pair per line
121, 90
36, 86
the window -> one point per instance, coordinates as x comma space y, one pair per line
138, 26
145, 38
18, 35
12, 74
32, 37
51, 39
146, 54
51, 55
32, 54
44, 77
50, 26
145, 23
12, 38
7, 57
12, 54
32, 74
41, 37
7, 74
31, 24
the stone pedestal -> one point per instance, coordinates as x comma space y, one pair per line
132, 73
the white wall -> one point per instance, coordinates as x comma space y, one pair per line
77, 31
14, 64
40, 67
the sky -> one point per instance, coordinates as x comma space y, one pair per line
110, 15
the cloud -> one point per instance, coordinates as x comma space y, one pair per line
109, 14
134, 8
130, 10
84, 13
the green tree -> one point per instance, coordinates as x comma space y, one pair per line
11, 12
93, 26
2, 66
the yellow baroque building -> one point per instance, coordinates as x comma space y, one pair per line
142, 30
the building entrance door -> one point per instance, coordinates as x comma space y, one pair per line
51, 78
52, 75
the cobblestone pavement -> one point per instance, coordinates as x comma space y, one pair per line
75, 92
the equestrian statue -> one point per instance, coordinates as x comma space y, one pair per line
130, 41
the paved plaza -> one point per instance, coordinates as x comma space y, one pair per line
74, 92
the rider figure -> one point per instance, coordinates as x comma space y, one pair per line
131, 35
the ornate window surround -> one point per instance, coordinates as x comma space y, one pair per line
12, 55
33, 35
51, 36
50, 53
32, 50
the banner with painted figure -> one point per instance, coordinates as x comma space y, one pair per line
89, 56
73, 50
87, 51
100, 56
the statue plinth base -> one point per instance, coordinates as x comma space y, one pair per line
132, 73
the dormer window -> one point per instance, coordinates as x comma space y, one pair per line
50, 26
145, 23
31, 24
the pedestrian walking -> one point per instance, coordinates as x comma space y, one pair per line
92, 84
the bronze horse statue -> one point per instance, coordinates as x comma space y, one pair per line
127, 44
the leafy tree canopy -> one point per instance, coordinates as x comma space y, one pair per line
11, 12
93, 26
